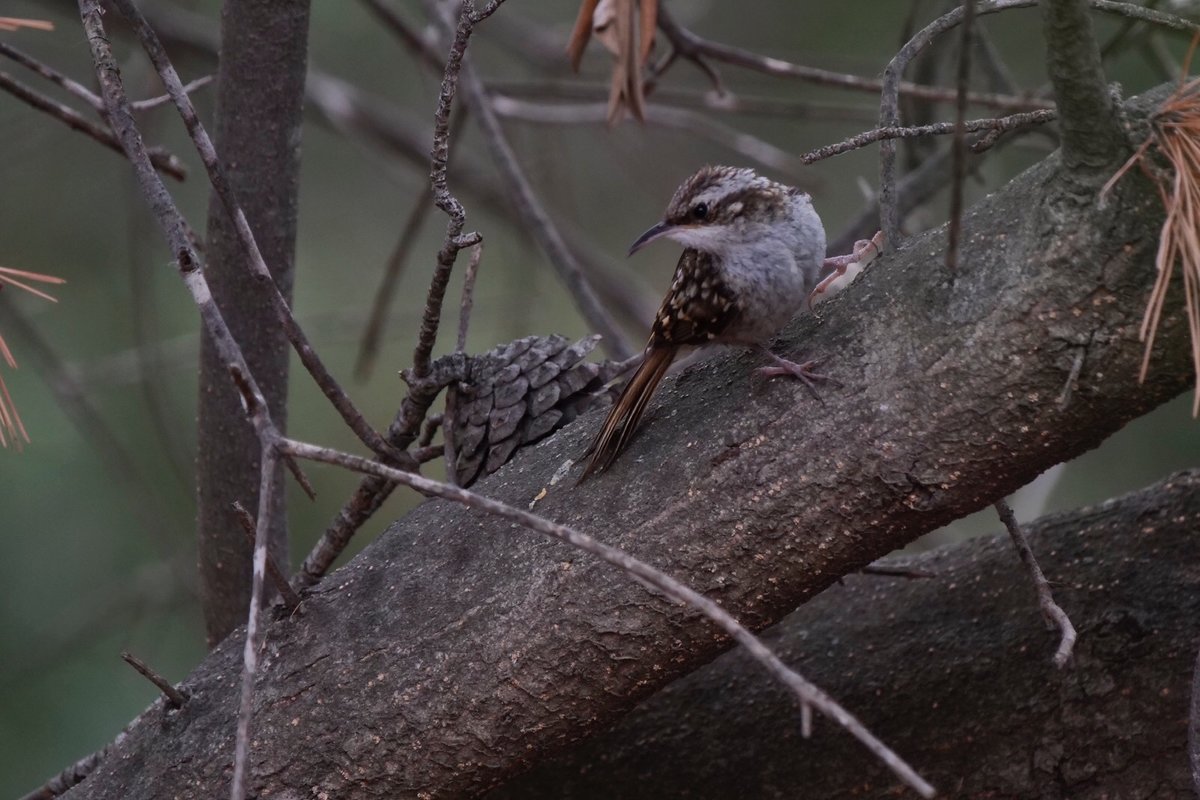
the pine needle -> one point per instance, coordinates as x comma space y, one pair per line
16, 23
11, 427
1175, 133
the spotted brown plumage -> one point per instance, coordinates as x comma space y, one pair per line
754, 252
699, 306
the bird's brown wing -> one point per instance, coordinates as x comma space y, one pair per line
697, 309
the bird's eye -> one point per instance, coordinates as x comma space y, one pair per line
700, 210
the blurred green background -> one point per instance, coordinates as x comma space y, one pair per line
99, 558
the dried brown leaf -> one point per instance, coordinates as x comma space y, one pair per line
649, 22
581, 33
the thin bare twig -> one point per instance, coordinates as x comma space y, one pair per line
992, 64
175, 698
1054, 614
154, 102
896, 571
162, 160
254, 627
432, 423
425, 383
889, 106
363, 117
74, 774
966, 44
224, 190
174, 227
642, 573
538, 222
889, 114
912, 190
727, 103
372, 491
430, 452
688, 43
177, 233
679, 98
1064, 398
368, 346
744, 144
529, 209
82, 92
997, 124
291, 600
468, 297
1146, 14
54, 76
141, 262
455, 240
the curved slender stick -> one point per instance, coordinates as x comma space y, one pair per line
995, 125
641, 572
224, 190
889, 103
1051, 610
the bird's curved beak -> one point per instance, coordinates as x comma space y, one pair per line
655, 232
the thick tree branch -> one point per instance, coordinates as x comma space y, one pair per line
807, 694
1194, 728
451, 653
954, 667
1092, 139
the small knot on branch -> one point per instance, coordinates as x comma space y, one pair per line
186, 261
463, 241
245, 391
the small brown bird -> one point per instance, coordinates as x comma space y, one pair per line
755, 250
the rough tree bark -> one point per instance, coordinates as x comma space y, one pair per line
456, 650
260, 95
957, 668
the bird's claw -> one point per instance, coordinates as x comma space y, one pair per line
805, 372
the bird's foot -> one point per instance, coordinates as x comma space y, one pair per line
805, 372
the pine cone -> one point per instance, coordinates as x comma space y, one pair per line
519, 393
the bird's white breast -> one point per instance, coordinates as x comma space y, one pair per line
772, 267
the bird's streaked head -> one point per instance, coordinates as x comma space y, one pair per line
720, 207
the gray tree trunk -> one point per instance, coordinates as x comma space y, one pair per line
457, 650
259, 102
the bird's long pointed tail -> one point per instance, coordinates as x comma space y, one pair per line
622, 419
